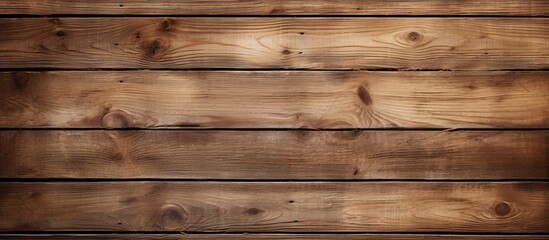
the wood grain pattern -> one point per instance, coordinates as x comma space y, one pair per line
267, 43
267, 7
184, 236
295, 99
276, 207
275, 154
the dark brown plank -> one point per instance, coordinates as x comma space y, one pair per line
183, 236
267, 43
276, 207
267, 7
235, 99
275, 154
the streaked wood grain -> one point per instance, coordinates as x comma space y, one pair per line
295, 99
276, 207
266, 7
267, 43
193, 236
275, 154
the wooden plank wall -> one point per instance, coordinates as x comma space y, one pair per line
304, 119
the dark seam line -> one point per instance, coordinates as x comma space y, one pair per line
267, 16
93, 180
280, 232
175, 128
272, 69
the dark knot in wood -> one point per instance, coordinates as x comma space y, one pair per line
173, 217
502, 209
364, 96
415, 36
116, 119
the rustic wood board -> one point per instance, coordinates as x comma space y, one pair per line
268, 7
186, 236
275, 155
275, 43
276, 206
274, 99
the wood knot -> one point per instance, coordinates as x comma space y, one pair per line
286, 52
166, 25
60, 33
355, 171
356, 134
154, 49
116, 119
502, 209
277, 11
364, 96
415, 37
253, 211
173, 217
20, 81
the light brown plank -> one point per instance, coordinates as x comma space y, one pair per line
160, 99
275, 154
183, 236
266, 43
276, 207
267, 7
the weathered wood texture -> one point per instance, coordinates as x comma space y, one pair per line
184, 236
269, 7
276, 207
308, 43
275, 154
163, 99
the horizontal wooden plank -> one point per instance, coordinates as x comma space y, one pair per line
266, 43
183, 236
273, 99
276, 207
275, 154
266, 7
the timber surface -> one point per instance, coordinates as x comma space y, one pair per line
268, 7
256, 119
276, 207
274, 99
275, 154
275, 43
246, 236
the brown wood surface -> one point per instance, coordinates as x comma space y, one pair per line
275, 154
267, 43
178, 119
184, 236
269, 7
276, 207
274, 99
